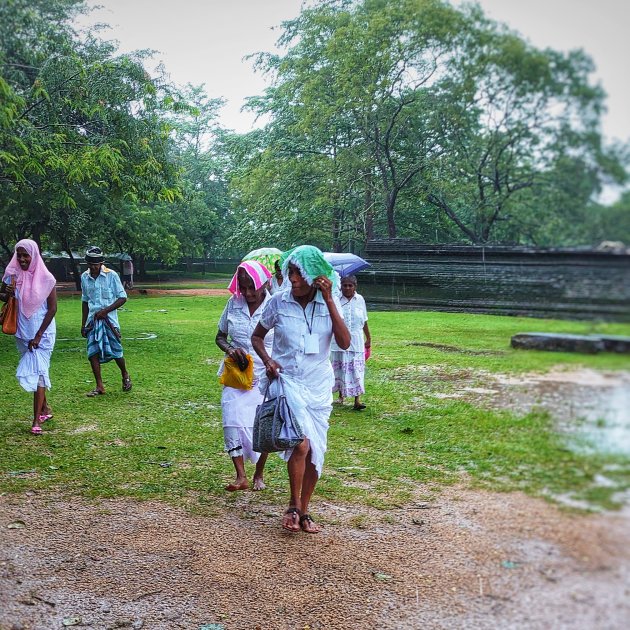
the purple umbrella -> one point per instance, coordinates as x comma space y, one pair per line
346, 264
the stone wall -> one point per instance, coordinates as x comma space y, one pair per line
576, 284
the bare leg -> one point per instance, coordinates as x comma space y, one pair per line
358, 404
46, 409
296, 468
241, 479
123, 368
259, 484
308, 485
96, 370
126, 381
38, 404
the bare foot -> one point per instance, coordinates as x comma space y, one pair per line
309, 525
291, 520
259, 484
239, 484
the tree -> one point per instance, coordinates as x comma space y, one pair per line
409, 117
89, 127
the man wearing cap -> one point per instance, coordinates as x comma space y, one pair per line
102, 294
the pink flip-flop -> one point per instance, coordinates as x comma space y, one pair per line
46, 416
36, 430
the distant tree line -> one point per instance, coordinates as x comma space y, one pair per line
385, 118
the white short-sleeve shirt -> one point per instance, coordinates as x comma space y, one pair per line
292, 324
355, 315
239, 325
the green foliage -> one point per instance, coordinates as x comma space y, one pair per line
83, 126
413, 118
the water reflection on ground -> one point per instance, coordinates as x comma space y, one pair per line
591, 408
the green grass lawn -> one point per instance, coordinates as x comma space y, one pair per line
164, 439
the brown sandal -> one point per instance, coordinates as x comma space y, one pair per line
307, 518
293, 511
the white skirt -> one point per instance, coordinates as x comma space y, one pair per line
238, 408
33, 370
312, 407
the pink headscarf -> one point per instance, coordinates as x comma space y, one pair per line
34, 284
255, 270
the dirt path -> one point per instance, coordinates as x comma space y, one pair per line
159, 292
469, 559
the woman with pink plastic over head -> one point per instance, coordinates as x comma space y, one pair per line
27, 278
238, 406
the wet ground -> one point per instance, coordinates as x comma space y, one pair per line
464, 560
590, 408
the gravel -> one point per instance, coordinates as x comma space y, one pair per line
467, 559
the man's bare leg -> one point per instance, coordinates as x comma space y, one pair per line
96, 370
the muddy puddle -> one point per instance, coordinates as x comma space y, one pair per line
591, 408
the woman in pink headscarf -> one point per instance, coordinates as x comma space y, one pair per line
238, 406
33, 285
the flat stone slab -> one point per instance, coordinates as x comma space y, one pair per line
557, 342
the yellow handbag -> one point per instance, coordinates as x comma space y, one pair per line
233, 376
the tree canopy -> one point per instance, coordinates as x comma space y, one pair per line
413, 118
385, 118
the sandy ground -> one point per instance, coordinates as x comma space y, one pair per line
69, 288
468, 559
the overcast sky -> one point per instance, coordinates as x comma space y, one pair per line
204, 41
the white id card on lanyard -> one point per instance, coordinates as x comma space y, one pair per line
311, 341
311, 344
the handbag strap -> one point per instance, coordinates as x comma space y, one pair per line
266, 392
280, 384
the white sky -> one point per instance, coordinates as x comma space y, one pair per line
204, 41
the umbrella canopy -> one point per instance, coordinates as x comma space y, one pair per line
265, 255
346, 264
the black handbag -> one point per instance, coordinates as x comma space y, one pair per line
275, 426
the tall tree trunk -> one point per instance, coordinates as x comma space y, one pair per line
389, 209
142, 271
336, 230
369, 209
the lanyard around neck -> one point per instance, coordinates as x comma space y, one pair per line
310, 327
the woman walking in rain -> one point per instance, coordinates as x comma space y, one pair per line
349, 365
238, 320
27, 278
304, 320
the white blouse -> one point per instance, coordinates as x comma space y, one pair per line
238, 325
27, 327
292, 325
355, 315
275, 287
